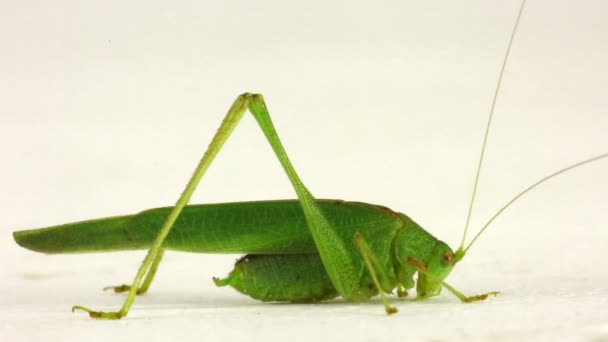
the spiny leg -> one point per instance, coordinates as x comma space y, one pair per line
232, 118
146, 284
462, 297
335, 256
370, 260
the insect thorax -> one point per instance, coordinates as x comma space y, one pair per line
412, 242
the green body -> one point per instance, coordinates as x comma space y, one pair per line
282, 262
296, 250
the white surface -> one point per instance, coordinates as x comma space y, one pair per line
105, 110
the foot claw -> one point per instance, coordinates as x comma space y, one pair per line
480, 297
124, 288
98, 314
118, 289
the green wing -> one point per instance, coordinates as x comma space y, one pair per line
266, 227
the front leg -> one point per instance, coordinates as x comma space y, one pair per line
422, 269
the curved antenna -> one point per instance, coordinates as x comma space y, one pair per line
485, 138
518, 196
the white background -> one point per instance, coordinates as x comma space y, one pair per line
105, 109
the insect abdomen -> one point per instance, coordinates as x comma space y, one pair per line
284, 278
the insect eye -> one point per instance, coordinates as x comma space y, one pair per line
446, 258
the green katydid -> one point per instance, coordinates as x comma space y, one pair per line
319, 249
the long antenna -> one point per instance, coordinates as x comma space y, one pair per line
587, 161
485, 138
